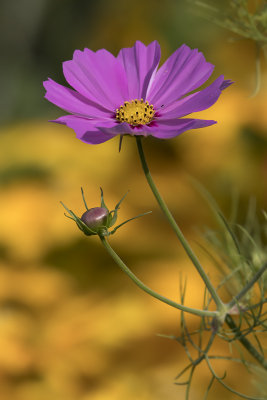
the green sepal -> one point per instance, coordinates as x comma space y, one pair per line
84, 201
113, 218
103, 205
128, 220
86, 230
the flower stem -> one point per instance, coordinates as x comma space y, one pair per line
220, 305
124, 268
245, 342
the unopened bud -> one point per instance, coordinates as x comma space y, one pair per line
98, 220
95, 218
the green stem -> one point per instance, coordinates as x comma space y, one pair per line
220, 305
124, 268
257, 71
245, 342
248, 286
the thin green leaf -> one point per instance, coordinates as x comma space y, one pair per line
183, 371
189, 383
231, 233
220, 380
208, 388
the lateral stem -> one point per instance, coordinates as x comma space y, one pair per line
141, 285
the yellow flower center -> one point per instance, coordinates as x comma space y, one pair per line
135, 112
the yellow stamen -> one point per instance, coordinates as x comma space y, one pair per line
135, 112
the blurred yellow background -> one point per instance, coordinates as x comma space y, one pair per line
72, 326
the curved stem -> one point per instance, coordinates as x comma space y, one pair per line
220, 305
124, 268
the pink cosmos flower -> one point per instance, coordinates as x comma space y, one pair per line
128, 94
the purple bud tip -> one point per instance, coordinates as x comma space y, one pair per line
95, 217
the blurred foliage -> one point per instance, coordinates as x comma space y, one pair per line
239, 253
241, 249
246, 19
71, 326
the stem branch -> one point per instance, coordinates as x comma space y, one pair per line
245, 342
124, 268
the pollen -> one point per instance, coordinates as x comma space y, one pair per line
135, 112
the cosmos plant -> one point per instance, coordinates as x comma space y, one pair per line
131, 95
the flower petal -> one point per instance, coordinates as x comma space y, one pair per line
73, 102
168, 129
197, 101
118, 129
140, 63
184, 71
163, 129
98, 76
87, 129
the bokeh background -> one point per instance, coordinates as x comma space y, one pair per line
72, 326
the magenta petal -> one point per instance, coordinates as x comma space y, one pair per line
197, 101
184, 71
126, 129
140, 63
165, 129
173, 127
118, 129
98, 76
72, 102
87, 129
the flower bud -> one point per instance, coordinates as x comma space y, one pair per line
98, 220
95, 218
